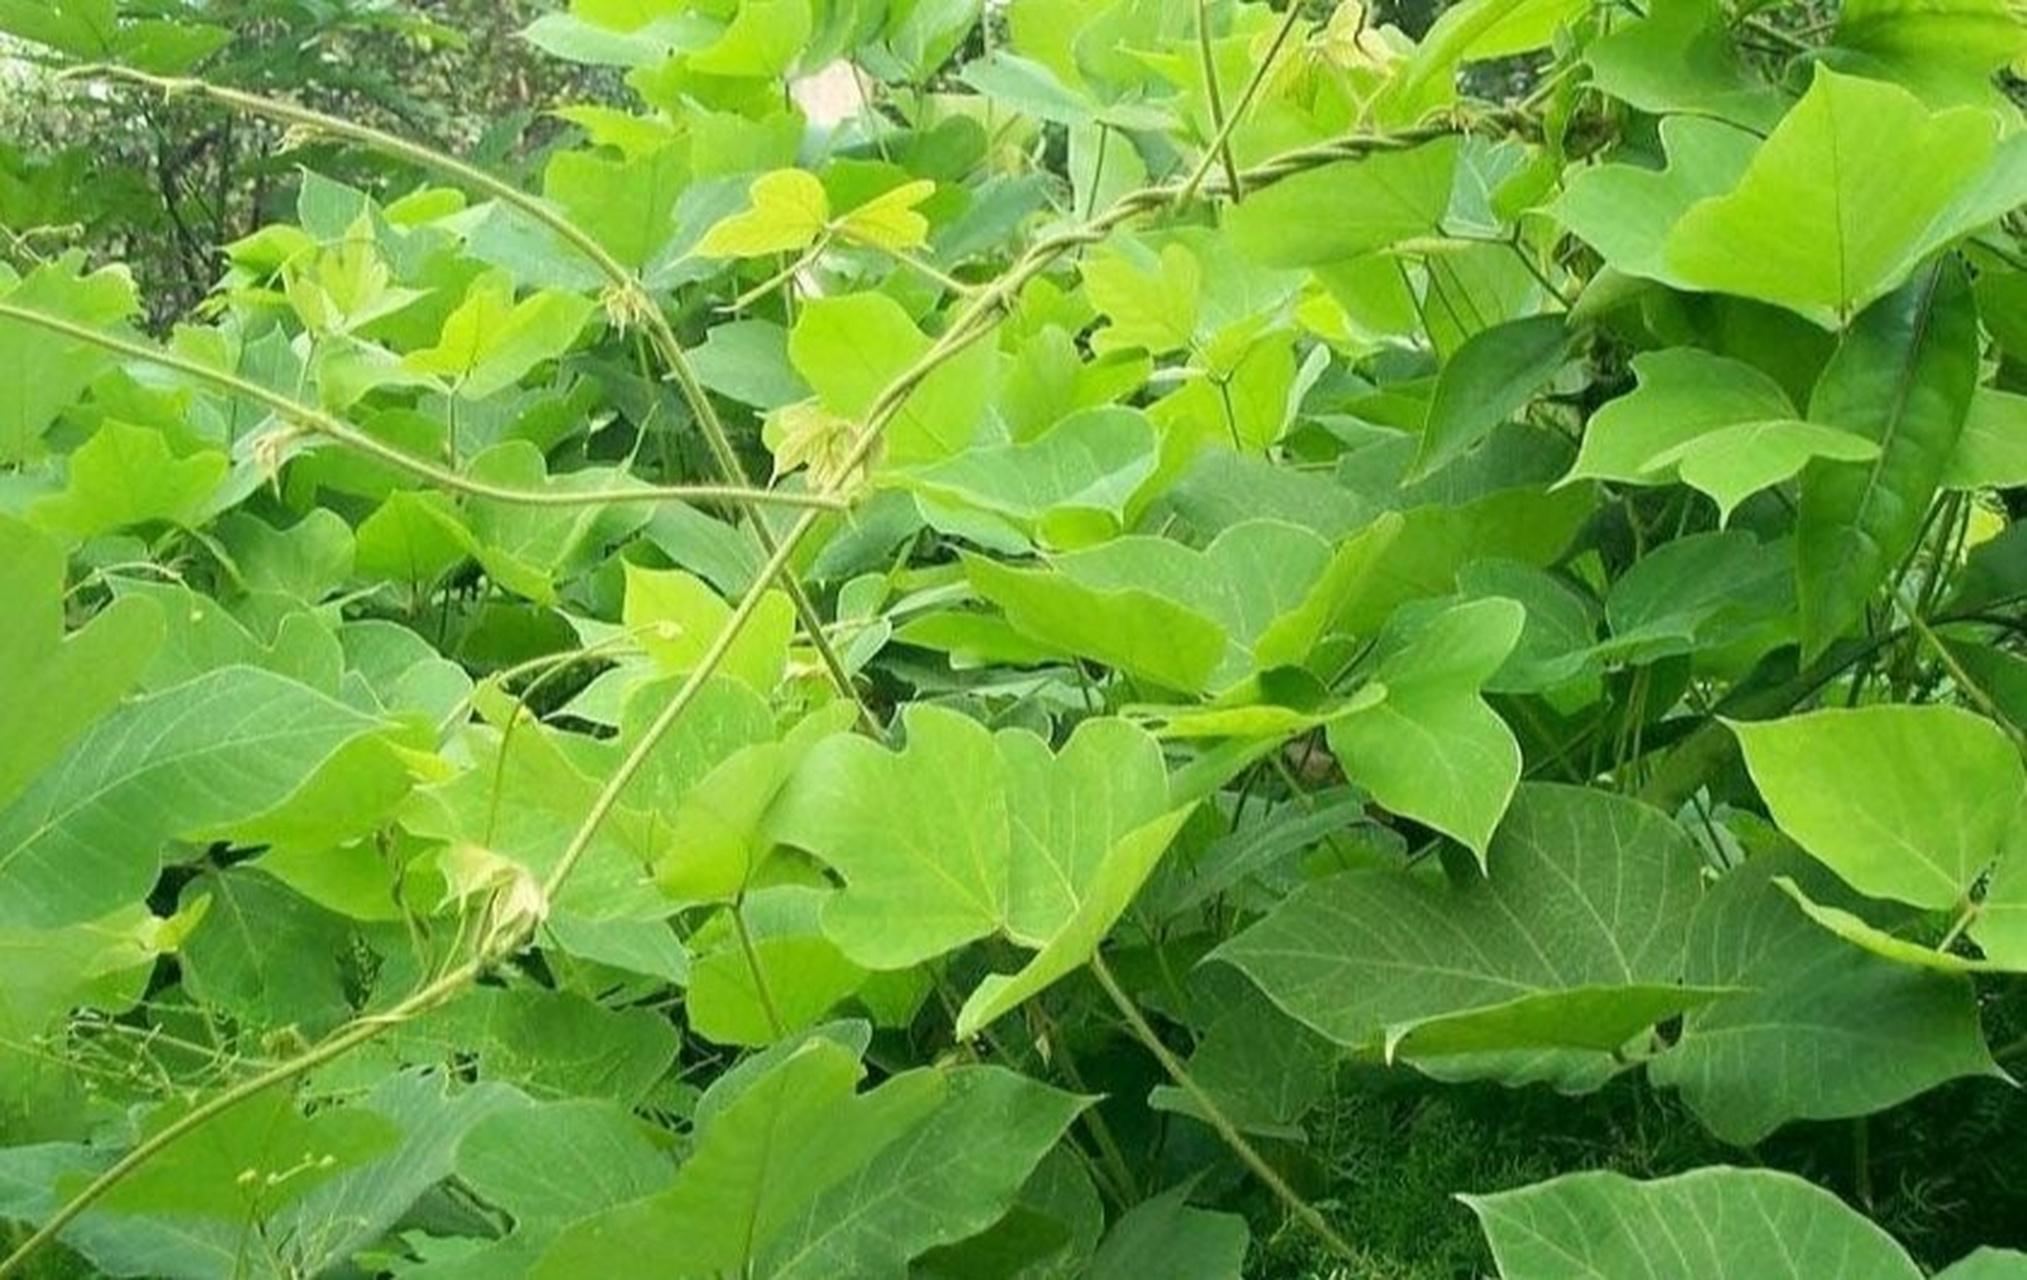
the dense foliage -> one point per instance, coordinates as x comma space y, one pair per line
1081, 637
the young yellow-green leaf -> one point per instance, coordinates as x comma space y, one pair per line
492, 342
1430, 748
1903, 378
1721, 426
890, 220
1572, 940
126, 476
761, 1158
788, 211
57, 686
806, 434
1710, 1222
192, 762
1858, 184
1152, 306
1912, 803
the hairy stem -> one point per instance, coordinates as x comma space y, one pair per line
334, 428
1215, 1116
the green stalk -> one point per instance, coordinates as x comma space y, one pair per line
1215, 1116
333, 428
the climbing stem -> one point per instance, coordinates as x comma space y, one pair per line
1214, 1115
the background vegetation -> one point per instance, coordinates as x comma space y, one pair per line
1080, 637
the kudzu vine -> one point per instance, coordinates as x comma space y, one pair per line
1297, 554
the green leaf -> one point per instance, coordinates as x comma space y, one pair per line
1573, 941
1101, 899
805, 974
1810, 229
922, 878
190, 763
1910, 803
761, 1157
1986, 1264
552, 1044
1709, 1222
1262, 595
290, 1154
1625, 211
763, 40
57, 686
1992, 451
627, 205
1722, 426
127, 475
63, 366
1071, 485
1947, 51
551, 1163
1430, 748
945, 1180
1130, 628
678, 618
1818, 1030
1165, 1237
1000, 836
1471, 32
1681, 58
850, 348
266, 953
491, 342
1495, 373
1903, 378
1347, 209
